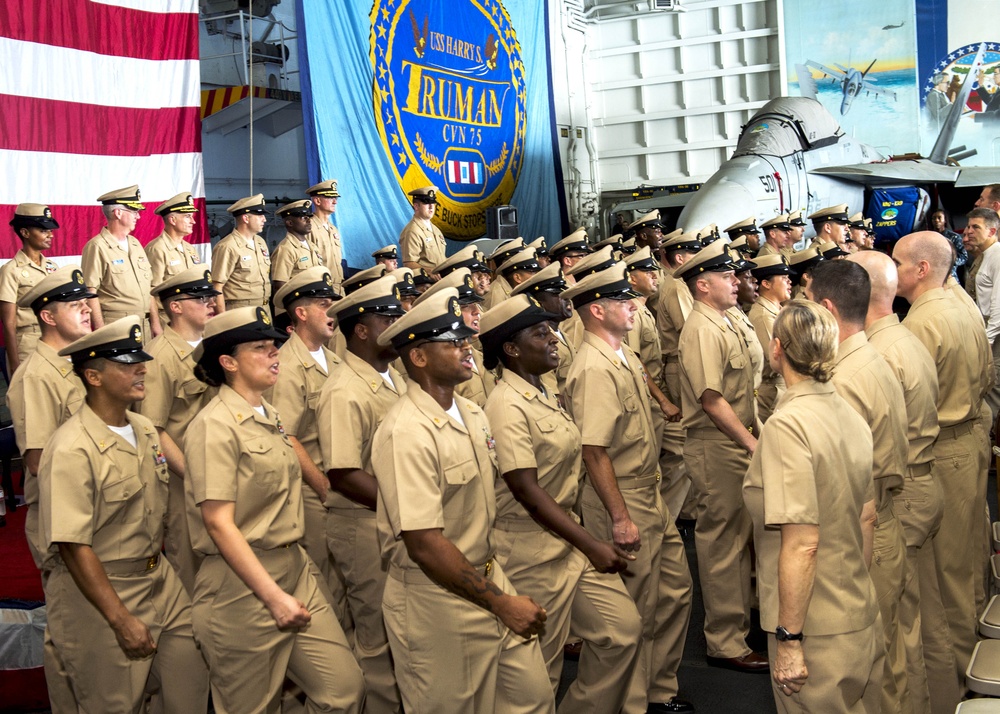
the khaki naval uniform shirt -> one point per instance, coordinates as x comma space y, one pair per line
767, 249
756, 350
911, 363
44, 392
174, 396
499, 291
329, 248
352, 404
98, 490
296, 393
644, 340
762, 315
167, 258
714, 355
610, 403
957, 344
293, 254
533, 432
244, 268
865, 381
482, 383
673, 305
17, 277
121, 280
235, 454
434, 473
423, 243
803, 471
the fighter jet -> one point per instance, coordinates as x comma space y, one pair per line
852, 82
793, 154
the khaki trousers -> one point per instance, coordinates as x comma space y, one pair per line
767, 395
659, 582
721, 535
930, 662
314, 544
595, 606
62, 700
675, 483
353, 545
102, 677
453, 657
845, 673
957, 468
233, 304
887, 570
249, 657
177, 539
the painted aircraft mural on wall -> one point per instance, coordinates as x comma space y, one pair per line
792, 155
852, 82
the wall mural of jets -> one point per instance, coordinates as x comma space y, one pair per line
852, 82
792, 155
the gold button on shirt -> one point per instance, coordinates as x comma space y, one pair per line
235, 454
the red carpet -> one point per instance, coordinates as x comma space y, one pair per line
20, 576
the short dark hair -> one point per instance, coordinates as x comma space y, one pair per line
989, 216
845, 284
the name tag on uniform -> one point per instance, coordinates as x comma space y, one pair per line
304, 258
175, 262
245, 258
118, 261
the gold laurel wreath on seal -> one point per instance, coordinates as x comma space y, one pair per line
432, 162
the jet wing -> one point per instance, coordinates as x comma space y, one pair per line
807, 85
875, 89
893, 172
978, 176
825, 70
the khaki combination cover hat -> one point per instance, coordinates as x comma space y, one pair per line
327, 189
438, 319
181, 203
119, 341
251, 204
128, 197
63, 285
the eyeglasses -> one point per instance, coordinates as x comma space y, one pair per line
203, 299
457, 344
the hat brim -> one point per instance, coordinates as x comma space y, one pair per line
130, 357
46, 224
459, 333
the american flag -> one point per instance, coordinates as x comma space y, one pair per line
465, 172
98, 95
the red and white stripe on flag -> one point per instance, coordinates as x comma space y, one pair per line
98, 95
465, 172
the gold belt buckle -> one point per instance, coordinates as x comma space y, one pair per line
489, 567
152, 562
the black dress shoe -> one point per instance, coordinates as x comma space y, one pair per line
676, 704
751, 663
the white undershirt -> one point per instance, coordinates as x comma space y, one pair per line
260, 410
387, 378
193, 344
126, 432
320, 358
621, 353
250, 242
455, 414
123, 244
305, 243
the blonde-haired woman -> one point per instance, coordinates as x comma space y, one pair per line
809, 492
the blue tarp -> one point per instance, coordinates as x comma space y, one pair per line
404, 93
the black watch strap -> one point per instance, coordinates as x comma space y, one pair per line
783, 635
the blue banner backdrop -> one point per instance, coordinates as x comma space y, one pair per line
399, 94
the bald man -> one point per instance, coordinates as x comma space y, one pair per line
957, 344
919, 505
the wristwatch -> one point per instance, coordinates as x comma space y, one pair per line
783, 635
